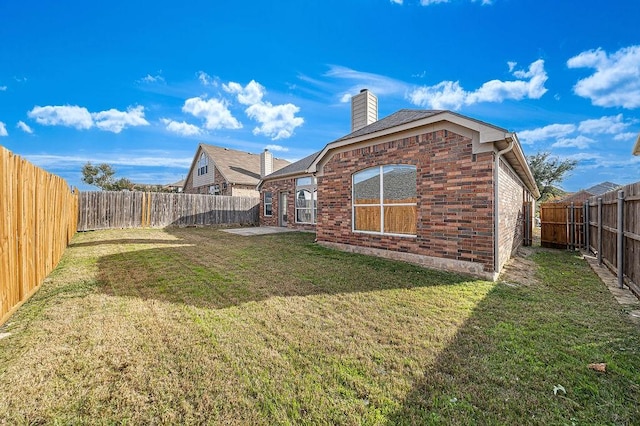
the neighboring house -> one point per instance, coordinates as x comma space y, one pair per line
174, 187
425, 186
222, 171
636, 147
584, 194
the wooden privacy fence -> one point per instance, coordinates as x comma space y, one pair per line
607, 225
123, 209
614, 233
562, 225
38, 217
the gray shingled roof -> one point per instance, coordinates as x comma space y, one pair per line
396, 119
298, 167
603, 187
239, 167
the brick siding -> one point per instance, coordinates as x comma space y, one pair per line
512, 196
276, 187
455, 199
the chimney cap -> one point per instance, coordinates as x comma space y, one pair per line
364, 90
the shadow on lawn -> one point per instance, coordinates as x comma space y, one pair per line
215, 269
519, 343
123, 241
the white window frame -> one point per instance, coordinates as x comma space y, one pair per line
203, 164
265, 204
380, 204
313, 189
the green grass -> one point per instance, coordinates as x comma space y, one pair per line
199, 326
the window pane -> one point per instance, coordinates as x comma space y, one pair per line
400, 219
399, 183
268, 210
366, 186
303, 198
367, 219
268, 196
303, 181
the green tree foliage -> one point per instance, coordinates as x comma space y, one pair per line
549, 172
102, 176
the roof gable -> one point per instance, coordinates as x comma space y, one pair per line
237, 167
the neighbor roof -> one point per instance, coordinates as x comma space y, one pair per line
636, 147
603, 187
298, 167
239, 167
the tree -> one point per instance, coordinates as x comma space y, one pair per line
102, 176
549, 172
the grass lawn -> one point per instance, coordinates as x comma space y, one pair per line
198, 326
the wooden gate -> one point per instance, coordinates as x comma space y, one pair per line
562, 225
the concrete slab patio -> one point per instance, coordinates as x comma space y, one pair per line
259, 230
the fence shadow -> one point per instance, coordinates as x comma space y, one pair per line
214, 269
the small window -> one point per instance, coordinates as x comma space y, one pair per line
203, 164
384, 200
268, 203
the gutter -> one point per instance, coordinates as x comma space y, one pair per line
496, 210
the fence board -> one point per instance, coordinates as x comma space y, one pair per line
110, 209
557, 227
39, 217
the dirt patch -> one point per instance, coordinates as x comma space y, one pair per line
520, 269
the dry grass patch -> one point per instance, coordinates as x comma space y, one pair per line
198, 326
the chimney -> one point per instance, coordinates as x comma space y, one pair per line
364, 109
266, 163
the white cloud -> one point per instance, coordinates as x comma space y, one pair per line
206, 79
450, 95
278, 121
182, 128
3, 88
153, 79
627, 136
429, 2
276, 148
580, 142
114, 120
396, 1
3, 129
616, 81
378, 84
215, 112
251, 94
141, 159
66, 115
607, 125
551, 131
444, 95
24, 127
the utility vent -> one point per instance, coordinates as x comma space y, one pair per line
364, 110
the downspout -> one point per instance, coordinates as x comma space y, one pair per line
496, 202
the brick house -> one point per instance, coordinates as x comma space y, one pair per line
222, 171
430, 187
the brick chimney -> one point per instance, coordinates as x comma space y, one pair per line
266, 163
364, 109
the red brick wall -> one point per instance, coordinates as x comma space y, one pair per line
455, 197
276, 187
511, 212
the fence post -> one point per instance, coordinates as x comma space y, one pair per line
586, 226
621, 239
572, 228
600, 231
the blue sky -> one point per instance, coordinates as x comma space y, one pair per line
138, 85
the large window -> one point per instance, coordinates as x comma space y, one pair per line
203, 164
384, 200
268, 203
306, 200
